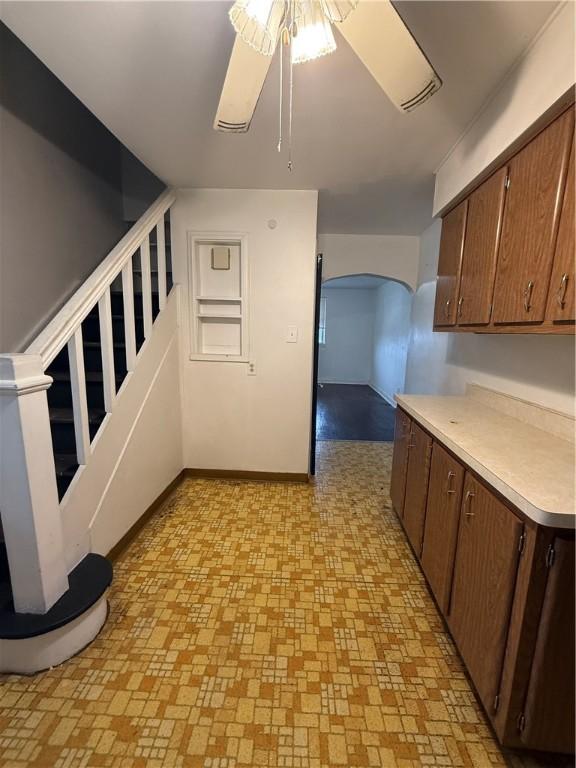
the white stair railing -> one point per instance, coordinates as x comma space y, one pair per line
29, 503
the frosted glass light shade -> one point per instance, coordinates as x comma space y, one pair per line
337, 10
258, 23
314, 37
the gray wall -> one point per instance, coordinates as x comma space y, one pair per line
61, 193
346, 358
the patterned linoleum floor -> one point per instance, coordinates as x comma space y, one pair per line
262, 624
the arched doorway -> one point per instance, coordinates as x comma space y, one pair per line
363, 334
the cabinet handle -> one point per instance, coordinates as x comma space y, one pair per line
447, 309
460, 302
468, 503
561, 293
449, 488
528, 295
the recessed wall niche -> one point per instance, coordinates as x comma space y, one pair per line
218, 288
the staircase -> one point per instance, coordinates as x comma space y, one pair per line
60, 401
56, 398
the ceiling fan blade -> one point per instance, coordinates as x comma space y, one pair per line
385, 45
245, 77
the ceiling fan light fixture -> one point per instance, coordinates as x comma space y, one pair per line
258, 23
315, 37
338, 10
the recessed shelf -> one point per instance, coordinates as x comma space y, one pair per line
219, 317
217, 298
220, 336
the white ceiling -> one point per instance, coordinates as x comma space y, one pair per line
355, 281
152, 72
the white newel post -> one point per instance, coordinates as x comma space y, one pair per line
28, 495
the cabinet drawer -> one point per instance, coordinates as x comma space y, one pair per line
441, 526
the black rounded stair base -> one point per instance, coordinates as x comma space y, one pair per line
87, 583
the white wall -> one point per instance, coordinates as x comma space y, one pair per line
137, 453
537, 368
232, 420
394, 256
391, 336
346, 358
539, 79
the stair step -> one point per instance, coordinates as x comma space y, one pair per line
62, 428
66, 416
91, 376
66, 467
87, 583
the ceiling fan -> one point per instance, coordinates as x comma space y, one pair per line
373, 28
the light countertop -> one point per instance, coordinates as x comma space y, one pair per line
530, 467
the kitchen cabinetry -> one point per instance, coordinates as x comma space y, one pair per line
449, 263
562, 287
545, 722
537, 176
442, 517
400, 460
486, 562
506, 262
504, 584
419, 454
485, 209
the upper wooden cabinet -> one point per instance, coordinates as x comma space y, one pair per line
506, 262
450, 260
537, 176
485, 568
483, 225
562, 287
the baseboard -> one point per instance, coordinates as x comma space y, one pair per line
242, 474
350, 383
209, 474
383, 395
135, 529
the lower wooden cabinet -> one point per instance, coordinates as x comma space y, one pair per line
548, 719
419, 454
485, 566
441, 528
504, 584
402, 428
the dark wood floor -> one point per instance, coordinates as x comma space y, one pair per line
353, 412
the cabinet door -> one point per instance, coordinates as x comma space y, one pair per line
531, 213
561, 294
419, 453
483, 586
549, 709
400, 460
483, 225
441, 528
449, 263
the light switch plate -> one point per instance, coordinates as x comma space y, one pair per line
292, 334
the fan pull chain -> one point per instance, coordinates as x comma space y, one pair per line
290, 112
281, 54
